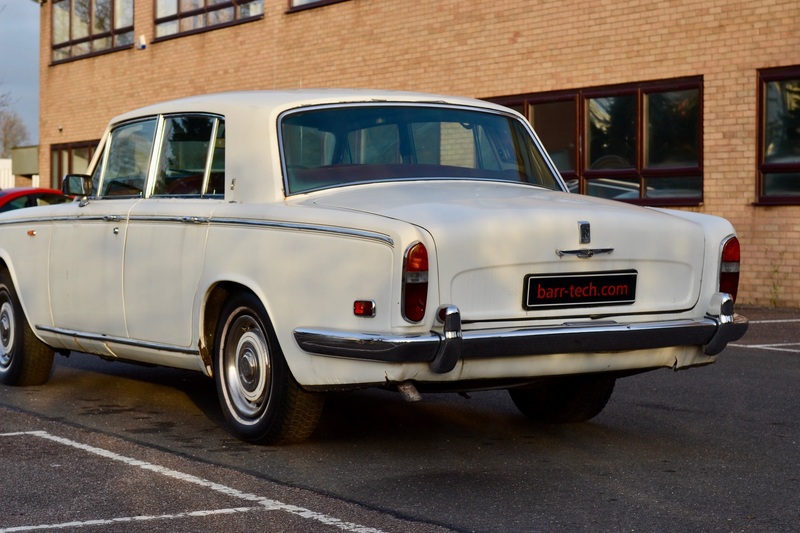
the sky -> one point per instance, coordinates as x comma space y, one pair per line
19, 60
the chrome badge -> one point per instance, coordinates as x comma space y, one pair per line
585, 232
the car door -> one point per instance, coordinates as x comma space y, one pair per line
167, 231
88, 242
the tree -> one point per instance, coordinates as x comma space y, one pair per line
12, 132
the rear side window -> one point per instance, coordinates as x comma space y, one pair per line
192, 157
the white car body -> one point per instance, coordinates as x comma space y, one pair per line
144, 277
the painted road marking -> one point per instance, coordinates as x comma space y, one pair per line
262, 503
782, 347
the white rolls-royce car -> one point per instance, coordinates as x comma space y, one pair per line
291, 243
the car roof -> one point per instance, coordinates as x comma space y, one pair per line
235, 102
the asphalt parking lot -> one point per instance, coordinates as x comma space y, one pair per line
60, 474
59, 477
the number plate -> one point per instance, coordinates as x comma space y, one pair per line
579, 290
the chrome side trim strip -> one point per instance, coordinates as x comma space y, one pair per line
296, 226
336, 230
120, 340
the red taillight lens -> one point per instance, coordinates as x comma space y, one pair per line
729, 268
415, 283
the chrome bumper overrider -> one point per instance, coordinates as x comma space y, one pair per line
445, 346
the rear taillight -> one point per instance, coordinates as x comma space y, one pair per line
415, 282
729, 268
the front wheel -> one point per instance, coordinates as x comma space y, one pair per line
568, 400
24, 359
259, 397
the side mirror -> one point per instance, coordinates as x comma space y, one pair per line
79, 185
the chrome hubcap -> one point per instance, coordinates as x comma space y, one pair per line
246, 367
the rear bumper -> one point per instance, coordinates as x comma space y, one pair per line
443, 348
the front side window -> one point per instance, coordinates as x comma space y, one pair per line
175, 17
640, 143
84, 27
779, 136
124, 169
331, 147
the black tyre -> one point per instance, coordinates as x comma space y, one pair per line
24, 359
564, 401
259, 397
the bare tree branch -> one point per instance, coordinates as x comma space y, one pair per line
13, 132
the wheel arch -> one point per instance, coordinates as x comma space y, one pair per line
215, 299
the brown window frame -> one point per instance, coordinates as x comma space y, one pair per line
203, 11
69, 148
766, 76
70, 44
310, 5
639, 171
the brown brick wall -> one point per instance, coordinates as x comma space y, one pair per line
481, 49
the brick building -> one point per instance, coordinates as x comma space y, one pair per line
693, 104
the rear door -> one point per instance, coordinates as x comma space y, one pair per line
166, 238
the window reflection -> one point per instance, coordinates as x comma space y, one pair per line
82, 27
182, 16
673, 129
611, 132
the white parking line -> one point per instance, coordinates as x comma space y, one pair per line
776, 321
782, 347
264, 504
131, 519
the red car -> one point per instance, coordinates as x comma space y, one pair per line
19, 197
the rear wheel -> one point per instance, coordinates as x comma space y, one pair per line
570, 400
259, 397
24, 359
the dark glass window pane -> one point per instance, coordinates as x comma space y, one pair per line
128, 158
555, 123
782, 120
673, 129
184, 155
684, 187
616, 188
782, 184
611, 132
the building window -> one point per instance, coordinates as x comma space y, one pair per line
70, 158
297, 5
83, 27
779, 136
175, 17
640, 143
